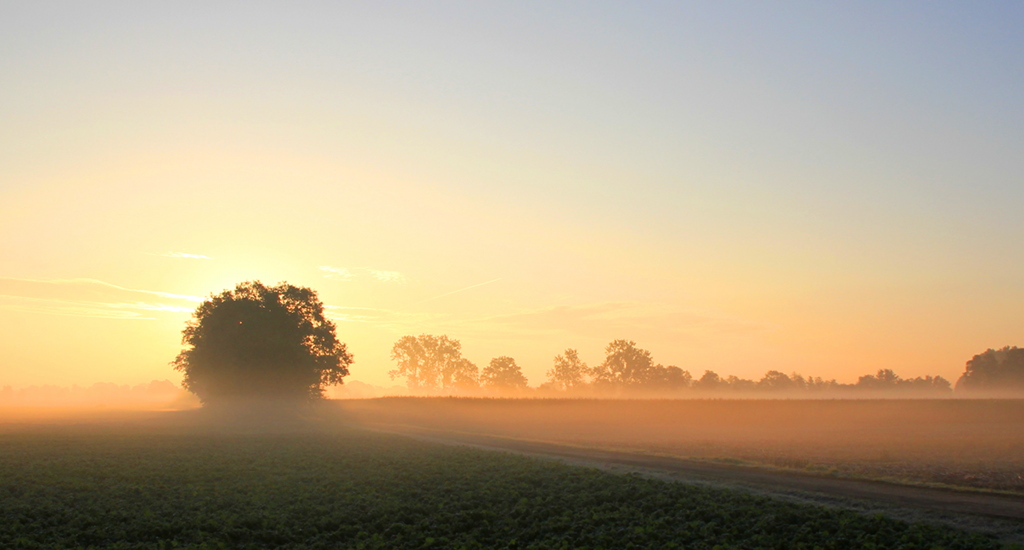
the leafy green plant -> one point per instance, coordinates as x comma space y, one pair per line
352, 489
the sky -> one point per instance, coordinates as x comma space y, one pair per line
822, 188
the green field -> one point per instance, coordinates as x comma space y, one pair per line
133, 488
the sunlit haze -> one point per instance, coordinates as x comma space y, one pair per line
822, 188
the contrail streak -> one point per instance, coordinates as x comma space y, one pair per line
457, 291
106, 284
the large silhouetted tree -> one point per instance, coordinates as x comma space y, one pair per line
431, 362
504, 374
994, 370
260, 342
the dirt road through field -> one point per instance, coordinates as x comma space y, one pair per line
997, 513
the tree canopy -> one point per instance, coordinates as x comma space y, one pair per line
261, 342
568, 372
624, 365
503, 373
435, 363
431, 362
994, 369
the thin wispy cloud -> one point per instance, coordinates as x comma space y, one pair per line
66, 308
144, 306
432, 298
400, 321
351, 273
620, 317
89, 298
387, 276
630, 319
351, 314
337, 273
103, 310
188, 297
185, 255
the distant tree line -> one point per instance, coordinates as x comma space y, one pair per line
257, 343
431, 363
435, 364
100, 393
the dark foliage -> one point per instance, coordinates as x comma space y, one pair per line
569, 371
625, 365
886, 379
261, 342
503, 373
999, 370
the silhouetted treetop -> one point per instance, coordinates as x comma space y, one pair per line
261, 342
995, 369
668, 378
431, 362
503, 373
624, 365
776, 381
568, 372
709, 381
887, 380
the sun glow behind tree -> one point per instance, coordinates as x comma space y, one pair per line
741, 187
261, 343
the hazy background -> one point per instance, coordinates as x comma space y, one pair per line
829, 189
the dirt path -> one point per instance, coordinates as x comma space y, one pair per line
1001, 515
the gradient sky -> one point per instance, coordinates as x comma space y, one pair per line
815, 187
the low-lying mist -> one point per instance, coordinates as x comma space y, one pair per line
51, 402
954, 441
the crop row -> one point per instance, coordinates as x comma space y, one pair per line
354, 489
